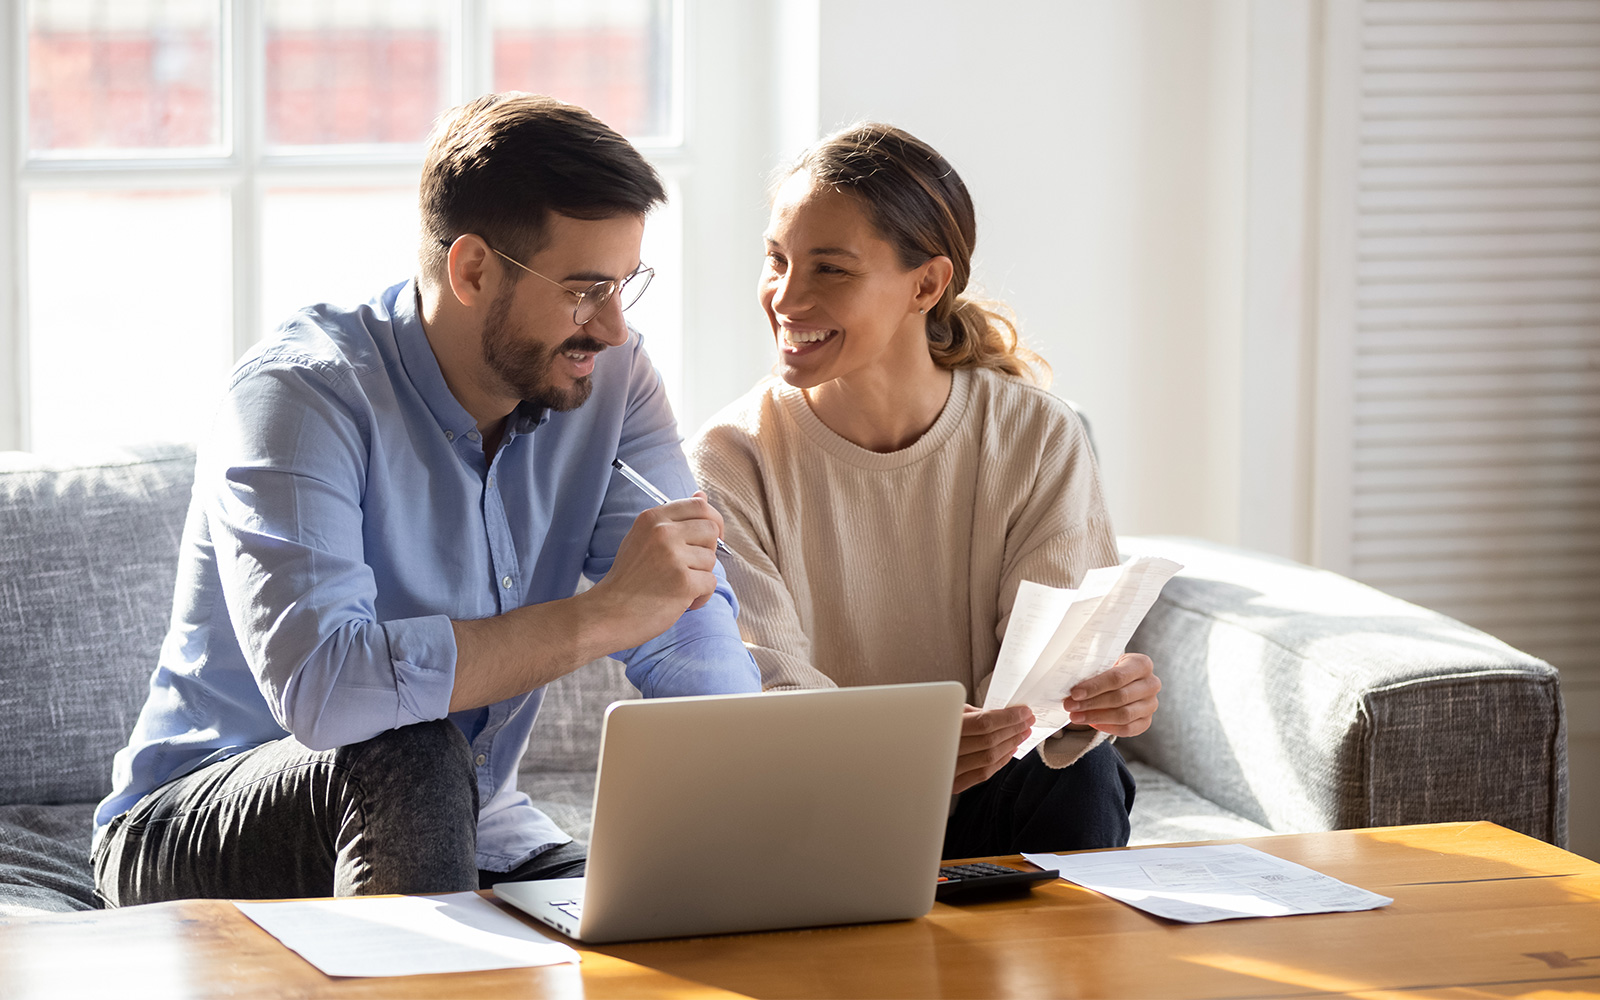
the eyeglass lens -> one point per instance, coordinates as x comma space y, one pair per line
597, 296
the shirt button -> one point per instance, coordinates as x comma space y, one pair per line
482, 759
491, 482
505, 581
472, 435
449, 435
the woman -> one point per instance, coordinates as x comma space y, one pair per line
888, 491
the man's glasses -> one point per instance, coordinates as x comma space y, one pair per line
594, 298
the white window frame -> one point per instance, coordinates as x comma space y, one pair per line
245, 171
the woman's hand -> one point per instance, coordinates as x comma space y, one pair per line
988, 739
1120, 701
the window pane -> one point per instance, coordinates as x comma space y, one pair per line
353, 71
610, 56
340, 245
658, 316
128, 315
129, 75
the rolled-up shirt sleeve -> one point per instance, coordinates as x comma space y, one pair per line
285, 481
700, 654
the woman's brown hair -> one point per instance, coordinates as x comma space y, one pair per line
918, 203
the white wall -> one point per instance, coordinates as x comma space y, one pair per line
725, 344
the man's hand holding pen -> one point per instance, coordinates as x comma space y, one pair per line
649, 489
663, 568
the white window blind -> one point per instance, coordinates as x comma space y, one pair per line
1475, 473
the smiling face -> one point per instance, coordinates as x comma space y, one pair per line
521, 366
835, 293
531, 349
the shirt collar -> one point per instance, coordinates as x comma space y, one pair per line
525, 418
422, 367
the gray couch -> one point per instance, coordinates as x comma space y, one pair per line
1295, 699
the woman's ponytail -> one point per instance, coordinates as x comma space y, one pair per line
983, 334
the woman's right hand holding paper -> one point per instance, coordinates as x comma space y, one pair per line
989, 736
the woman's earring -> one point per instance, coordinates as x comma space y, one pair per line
921, 311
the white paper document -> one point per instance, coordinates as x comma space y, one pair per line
1058, 638
1200, 884
406, 935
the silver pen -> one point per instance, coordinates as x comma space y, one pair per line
653, 493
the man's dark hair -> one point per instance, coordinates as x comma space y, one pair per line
500, 165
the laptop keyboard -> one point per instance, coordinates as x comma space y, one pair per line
571, 907
981, 875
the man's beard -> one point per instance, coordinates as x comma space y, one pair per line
523, 368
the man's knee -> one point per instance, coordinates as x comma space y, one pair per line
435, 738
410, 816
427, 760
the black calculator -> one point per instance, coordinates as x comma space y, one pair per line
980, 879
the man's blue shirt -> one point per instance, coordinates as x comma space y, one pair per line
343, 513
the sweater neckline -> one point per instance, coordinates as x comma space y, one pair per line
934, 438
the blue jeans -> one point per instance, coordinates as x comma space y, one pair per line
1029, 806
395, 814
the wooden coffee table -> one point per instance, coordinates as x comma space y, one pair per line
1479, 911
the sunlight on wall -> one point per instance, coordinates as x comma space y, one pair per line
659, 315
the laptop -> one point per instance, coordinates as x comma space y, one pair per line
728, 813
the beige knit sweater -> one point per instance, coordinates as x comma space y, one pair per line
858, 567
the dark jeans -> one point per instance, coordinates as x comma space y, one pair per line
395, 814
1029, 806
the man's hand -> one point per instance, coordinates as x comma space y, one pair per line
1119, 701
663, 568
988, 739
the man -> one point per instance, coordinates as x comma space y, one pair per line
387, 528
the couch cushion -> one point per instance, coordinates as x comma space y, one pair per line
88, 555
1165, 812
44, 859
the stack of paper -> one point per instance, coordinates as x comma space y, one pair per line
1059, 638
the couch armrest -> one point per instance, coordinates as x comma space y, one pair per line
1303, 700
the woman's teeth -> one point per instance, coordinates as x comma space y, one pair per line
806, 336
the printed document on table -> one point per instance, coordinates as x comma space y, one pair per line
1200, 884
1057, 638
406, 935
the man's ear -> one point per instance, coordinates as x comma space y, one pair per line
469, 272
932, 279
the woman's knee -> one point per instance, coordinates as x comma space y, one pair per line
1107, 772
